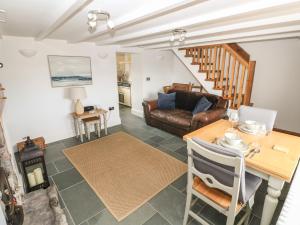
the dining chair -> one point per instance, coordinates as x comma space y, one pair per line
217, 176
265, 116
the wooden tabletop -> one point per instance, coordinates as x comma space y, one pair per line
280, 164
93, 113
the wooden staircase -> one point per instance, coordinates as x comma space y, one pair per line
229, 67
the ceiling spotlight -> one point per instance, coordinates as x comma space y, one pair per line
179, 34
98, 15
172, 38
110, 24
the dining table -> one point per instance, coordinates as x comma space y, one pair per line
275, 162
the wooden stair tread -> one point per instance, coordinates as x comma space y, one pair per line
210, 71
209, 79
224, 86
197, 63
217, 196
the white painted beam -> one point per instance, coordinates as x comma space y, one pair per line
62, 19
237, 40
236, 36
138, 17
279, 20
250, 7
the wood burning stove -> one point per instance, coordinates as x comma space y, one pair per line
33, 167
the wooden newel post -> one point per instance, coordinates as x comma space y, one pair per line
249, 83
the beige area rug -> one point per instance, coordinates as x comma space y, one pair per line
123, 171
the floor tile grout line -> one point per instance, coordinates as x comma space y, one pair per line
56, 166
64, 171
158, 213
73, 185
170, 185
52, 161
66, 208
87, 220
182, 191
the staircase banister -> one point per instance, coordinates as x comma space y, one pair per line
228, 66
239, 56
240, 51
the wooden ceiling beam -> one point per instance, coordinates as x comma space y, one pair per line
238, 40
139, 17
63, 18
250, 7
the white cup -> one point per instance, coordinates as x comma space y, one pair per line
232, 138
252, 125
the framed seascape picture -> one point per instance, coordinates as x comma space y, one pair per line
70, 70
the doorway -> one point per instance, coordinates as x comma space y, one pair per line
124, 79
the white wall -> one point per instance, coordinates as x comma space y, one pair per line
157, 65
180, 74
35, 108
276, 80
136, 77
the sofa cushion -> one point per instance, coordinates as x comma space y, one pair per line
181, 99
202, 105
177, 117
166, 101
187, 100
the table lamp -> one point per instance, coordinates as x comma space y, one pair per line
76, 94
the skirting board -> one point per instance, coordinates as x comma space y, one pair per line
286, 131
137, 112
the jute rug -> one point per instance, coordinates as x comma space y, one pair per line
123, 171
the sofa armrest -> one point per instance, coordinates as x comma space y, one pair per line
204, 118
150, 104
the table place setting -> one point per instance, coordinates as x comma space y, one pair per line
252, 127
231, 139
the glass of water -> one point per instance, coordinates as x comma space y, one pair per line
234, 118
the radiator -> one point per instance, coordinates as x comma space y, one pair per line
290, 211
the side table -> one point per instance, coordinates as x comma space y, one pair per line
95, 113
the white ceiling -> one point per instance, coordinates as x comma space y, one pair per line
149, 23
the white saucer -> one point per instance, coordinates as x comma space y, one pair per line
242, 146
243, 128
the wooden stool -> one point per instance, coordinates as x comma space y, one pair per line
96, 122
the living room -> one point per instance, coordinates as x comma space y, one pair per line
164, 39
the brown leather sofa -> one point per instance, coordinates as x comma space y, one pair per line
181, 121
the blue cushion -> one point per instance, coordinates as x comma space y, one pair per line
202, 105
166, 101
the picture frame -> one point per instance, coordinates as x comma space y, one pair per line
66, 71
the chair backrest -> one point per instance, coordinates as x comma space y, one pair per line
265, 116
182, 87
218, 167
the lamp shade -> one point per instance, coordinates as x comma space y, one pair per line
77, 93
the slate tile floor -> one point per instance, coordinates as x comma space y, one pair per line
83, 207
